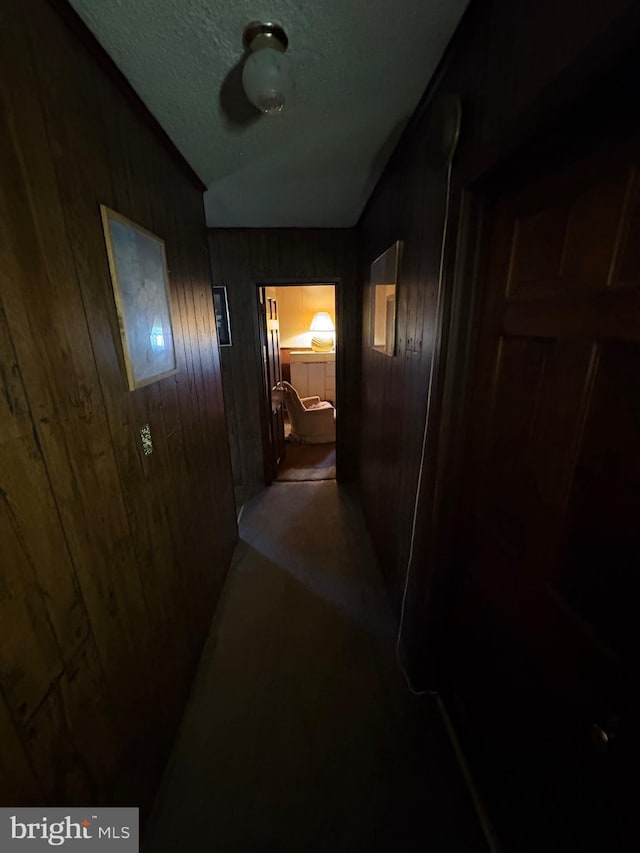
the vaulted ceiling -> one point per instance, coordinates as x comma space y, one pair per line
360, 69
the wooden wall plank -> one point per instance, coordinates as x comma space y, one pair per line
29, 506
29, 654
92, 725
18, 785
52, 754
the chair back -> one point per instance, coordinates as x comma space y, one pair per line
291, 397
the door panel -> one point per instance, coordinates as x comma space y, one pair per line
272, 406
545, 622
600, 561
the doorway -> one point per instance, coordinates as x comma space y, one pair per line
298, 336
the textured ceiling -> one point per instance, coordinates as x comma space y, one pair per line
359, 67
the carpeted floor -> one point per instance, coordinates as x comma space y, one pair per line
300, 735
307, 462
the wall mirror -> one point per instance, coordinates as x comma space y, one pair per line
384, 277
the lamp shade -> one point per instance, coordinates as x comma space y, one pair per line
267, 81
323, 329
322, 322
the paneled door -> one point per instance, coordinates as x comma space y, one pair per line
272, 405
547, 622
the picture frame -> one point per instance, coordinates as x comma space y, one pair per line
382, 317
140, 281
221, 309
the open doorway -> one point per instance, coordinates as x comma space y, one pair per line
298, 347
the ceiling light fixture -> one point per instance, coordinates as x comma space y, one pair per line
266, 75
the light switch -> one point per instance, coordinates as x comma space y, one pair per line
145, 437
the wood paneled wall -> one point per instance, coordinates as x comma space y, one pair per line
240, 258
111, 561
514, 64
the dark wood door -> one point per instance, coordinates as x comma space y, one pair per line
547, 623
272, 405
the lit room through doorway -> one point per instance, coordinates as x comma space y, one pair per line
307, 344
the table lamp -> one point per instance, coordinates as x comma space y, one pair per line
323, 338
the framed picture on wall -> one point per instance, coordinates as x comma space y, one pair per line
221, 308
138, 267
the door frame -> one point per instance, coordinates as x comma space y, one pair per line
265, 404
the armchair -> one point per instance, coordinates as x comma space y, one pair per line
313, 421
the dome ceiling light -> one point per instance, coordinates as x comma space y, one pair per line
266, 74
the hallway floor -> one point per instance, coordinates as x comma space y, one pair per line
300, 734
305, 462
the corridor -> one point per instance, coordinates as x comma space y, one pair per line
300, 734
